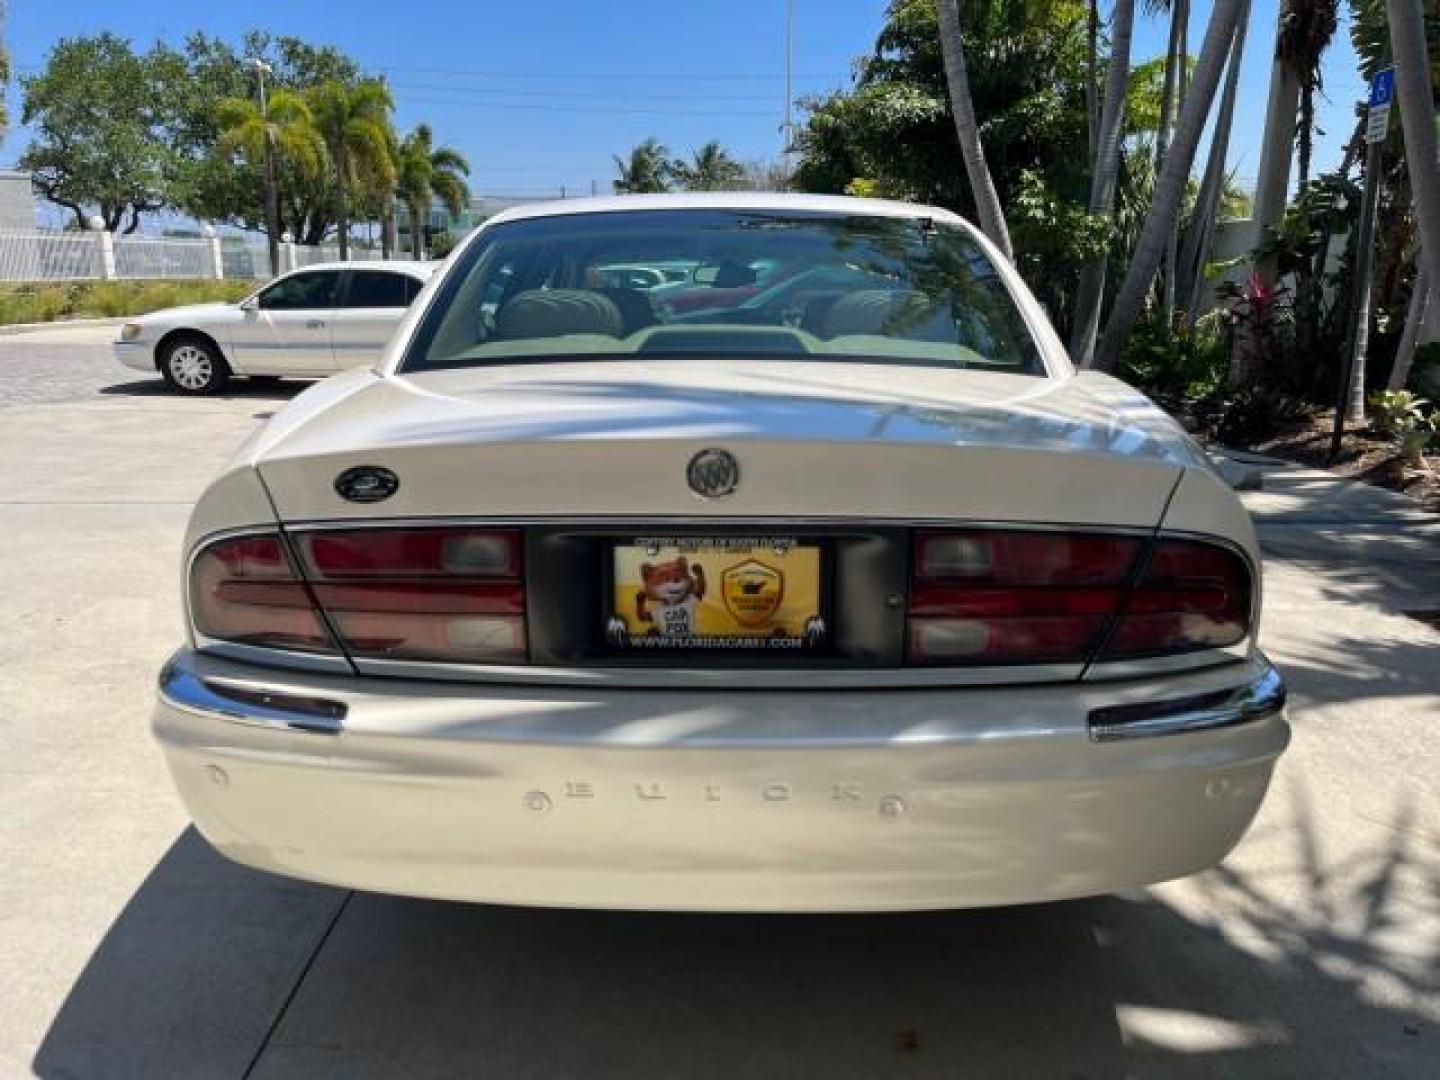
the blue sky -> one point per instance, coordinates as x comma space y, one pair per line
539, 95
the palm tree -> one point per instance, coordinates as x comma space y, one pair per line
354, 120
711, 169
1417, 118
1170, 187
1103, 173
1306, 29
972, 151
1277, 149
284, 128
646, 172
428, 172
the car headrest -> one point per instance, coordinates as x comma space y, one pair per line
542, 313
902, 313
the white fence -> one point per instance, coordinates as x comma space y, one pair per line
36, 255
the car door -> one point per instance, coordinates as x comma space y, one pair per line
369, 310
286, 326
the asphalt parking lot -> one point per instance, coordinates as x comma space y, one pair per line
128, 949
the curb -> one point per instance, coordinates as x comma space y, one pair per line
63, 324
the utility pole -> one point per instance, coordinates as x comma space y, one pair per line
272, 188
789, 95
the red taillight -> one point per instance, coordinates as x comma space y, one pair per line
438, 594
1008, 597
1192, 595
984, 596
245, 590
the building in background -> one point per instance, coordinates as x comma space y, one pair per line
481, 208
17, 201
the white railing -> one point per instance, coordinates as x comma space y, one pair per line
38, 255
309, 256
27, 255
142, 257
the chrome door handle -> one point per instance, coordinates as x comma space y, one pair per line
315, 324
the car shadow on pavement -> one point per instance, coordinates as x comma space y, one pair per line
236, 390
1304, 969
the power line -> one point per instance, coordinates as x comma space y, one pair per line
602, 110
589, 95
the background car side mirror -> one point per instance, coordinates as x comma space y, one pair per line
250, 303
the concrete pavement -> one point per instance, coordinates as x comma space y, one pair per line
127, 948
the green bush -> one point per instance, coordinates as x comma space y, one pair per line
51, 301
1181, 365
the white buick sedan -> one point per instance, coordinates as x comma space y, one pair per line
307, 324
820, 583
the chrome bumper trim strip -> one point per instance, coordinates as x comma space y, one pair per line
1263, 697
241, 704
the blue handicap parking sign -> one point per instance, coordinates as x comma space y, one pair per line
1382, 88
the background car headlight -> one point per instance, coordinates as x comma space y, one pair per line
130, 331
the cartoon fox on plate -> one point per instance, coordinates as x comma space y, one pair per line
675, 589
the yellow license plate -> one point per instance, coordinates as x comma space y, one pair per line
724, 593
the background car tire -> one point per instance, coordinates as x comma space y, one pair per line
193, 365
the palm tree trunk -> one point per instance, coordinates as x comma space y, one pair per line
1201, 238
982, 186
1167, 96
1170, 186
1105, 167
1181, 16
272, 207
1421, 299
1092, 76
417, 230
342, 211
1417, 116
1277, 149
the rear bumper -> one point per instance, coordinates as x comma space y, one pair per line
740, 801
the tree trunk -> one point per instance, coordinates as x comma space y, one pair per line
1417, 117
1181, 18
1277, 149
1105, 167
1092, 76
272, 208
982, 186
1170, 186
342, 201
417, 231
387, 227
1421, 299
1201, 238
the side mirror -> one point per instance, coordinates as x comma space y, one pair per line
250, 303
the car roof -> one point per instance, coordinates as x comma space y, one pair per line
412, 267
726, 200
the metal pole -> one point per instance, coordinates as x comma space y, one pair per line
272, 191
789, 94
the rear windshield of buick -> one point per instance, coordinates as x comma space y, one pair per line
733, 284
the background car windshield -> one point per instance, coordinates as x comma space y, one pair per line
723, 283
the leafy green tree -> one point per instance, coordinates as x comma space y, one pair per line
101, 114
354, 121
647, 170
711, 168
213, 185
426, 172
892, 133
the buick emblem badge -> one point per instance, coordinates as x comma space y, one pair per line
713, 473
366, 484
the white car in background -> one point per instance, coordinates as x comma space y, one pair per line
850, 596
306, 324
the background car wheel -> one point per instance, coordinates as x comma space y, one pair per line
193, 365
